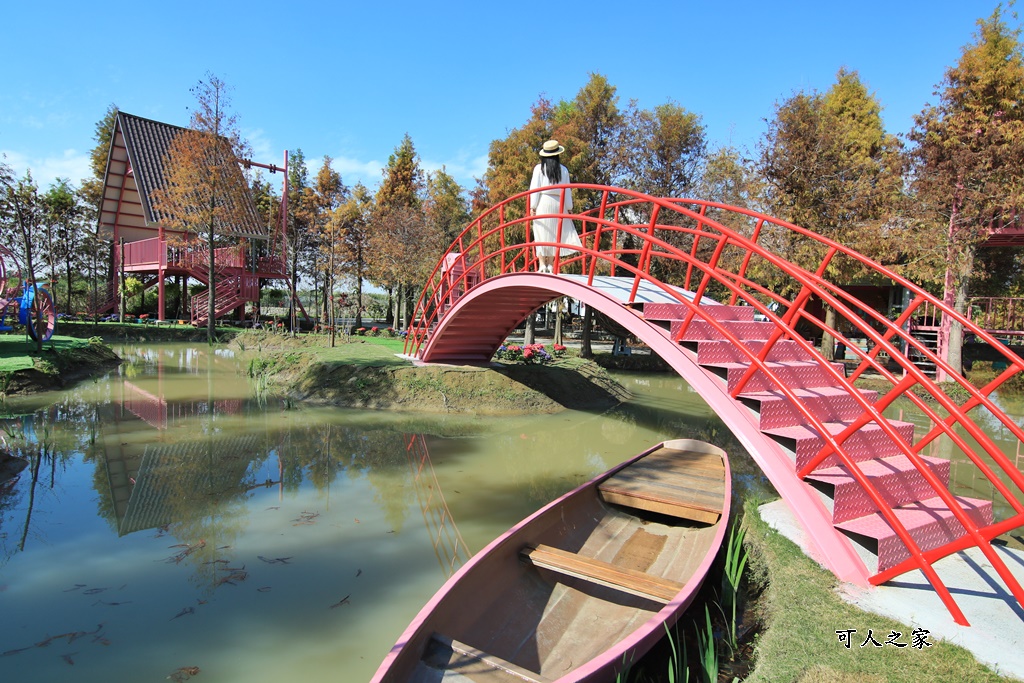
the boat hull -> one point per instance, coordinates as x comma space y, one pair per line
584, 586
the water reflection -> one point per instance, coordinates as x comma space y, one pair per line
170, 519
200, 526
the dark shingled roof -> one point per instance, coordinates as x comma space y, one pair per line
147, 142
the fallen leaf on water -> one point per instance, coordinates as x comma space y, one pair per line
183, 673
343, 601
183, 612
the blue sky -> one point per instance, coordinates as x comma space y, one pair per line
350, 79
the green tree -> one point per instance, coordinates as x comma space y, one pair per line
830, 167
445, 206
355, 215
299, 226
400, 244
92, 187
65, 233
97, 246
21, 219
328, 193
204, 191
510, 161
661, 150
966, 155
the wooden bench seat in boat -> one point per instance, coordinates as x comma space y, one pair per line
603, 573
684, 484
465, 660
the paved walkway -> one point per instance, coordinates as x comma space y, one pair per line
996, 634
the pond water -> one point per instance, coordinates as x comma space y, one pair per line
171, 519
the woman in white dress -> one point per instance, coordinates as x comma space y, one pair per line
551, 172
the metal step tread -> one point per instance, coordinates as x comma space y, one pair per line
676, 312
896, 478
930, 523
868, 442
718, 350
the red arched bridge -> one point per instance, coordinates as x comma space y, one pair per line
715, 292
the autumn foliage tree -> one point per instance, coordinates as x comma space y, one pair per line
829, 166
402, 249
967, 170
204, 191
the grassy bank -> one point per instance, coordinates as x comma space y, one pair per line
801, 613
63, 361
366, 372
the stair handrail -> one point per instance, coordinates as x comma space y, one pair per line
815, 284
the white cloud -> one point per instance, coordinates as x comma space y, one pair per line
464, 168
72, 164
354, 170
262, 148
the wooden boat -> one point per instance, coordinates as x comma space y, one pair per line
582, 587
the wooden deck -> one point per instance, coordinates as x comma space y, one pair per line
677, 483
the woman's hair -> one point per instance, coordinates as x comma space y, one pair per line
551, 167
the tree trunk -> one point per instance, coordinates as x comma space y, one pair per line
528, 333
558, 321
955, 348
211, 324
828, 342
68, 269
585, 349
410, 304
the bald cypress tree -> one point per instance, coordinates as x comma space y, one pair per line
968, 152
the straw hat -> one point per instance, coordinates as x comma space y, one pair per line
551, 148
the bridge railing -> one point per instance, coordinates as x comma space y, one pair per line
742, 257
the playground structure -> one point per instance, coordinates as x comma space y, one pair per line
27, 302
142, 247
736, 325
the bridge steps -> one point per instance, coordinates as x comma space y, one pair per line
868, 442
793, 374
878, 456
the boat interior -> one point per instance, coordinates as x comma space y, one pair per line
578, 579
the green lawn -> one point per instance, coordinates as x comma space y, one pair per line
18, 352
802, 614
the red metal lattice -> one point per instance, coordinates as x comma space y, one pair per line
741, 257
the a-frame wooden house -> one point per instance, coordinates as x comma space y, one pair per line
143, 247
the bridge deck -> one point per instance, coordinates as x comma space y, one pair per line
620, 287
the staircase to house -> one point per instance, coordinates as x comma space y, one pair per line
232, 290
878, 456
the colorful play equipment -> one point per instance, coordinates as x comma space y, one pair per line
716, 292
31, 303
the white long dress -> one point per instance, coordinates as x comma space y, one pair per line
546, 229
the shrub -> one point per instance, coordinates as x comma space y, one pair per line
531, 353
512, 352
360, 331
558, 350
535, 353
